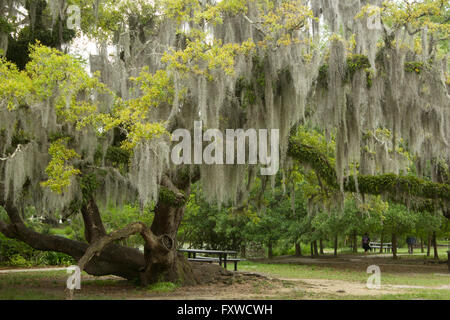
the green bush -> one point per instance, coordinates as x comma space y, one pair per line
51, 258
18, 254
18, 261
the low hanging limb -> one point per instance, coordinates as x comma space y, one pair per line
151, 241
376, 185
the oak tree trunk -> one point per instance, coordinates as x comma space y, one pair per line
270, 250
394, 245
355, 242
298, 249
436, 255
335, 245
382, 242
316, 251
422, 250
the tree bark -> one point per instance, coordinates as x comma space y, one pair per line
163, 262
428, 245
101, 256
298, 249
422, 250
394, 245
94, 228
436, 255
355, 242
381, 243
114, 259
270, 250
316, 251
336, 245
321, 246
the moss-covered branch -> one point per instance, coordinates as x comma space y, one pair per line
380, 184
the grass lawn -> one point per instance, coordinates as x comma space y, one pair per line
292, 281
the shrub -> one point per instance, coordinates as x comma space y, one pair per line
18, 261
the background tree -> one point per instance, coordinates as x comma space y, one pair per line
79, 140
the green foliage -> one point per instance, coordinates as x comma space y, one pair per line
162, 287
309, 153
58, 170
169, 197
18, 261
245, 93
5, 26
18, 254
398, 219
117, 156
414, 66
322, 80
42, 31
356, 62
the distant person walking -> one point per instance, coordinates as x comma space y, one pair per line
411, 241
366, 242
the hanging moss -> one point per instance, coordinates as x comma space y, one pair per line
381, 184
18, 47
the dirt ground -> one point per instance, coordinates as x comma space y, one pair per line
361, 262
225, 285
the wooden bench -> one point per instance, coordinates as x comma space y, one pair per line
210, 260
377, 245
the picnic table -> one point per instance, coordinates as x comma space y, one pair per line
387, 246
223, 256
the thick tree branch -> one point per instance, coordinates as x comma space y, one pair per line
93, 224
151, 241
380, 184
117, 260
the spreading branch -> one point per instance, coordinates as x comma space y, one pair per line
380, 184
151, 241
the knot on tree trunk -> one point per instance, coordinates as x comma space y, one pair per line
167, 242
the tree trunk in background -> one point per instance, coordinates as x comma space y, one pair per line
428, 245
243, 251
312, 249
421, 245
270, 250
381, 243
436, 255
321, 246
394, 246
298, 249
355, 243
335, 245
316, 251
